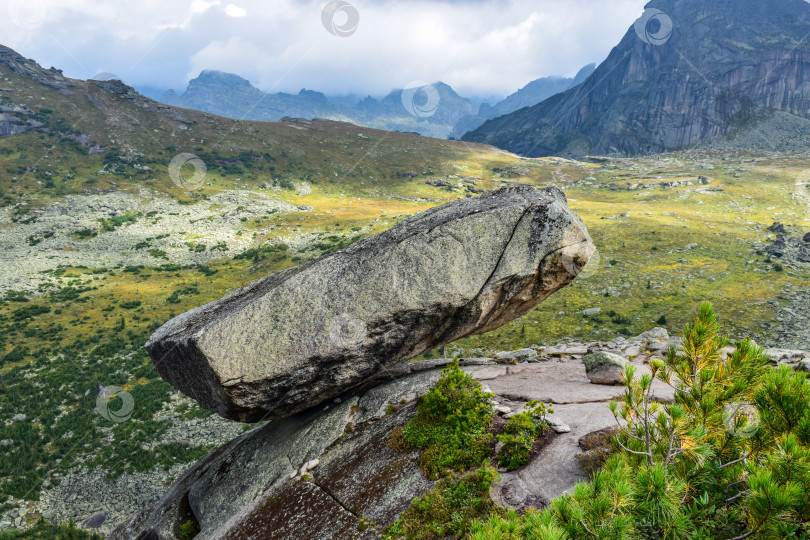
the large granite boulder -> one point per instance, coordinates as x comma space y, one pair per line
304, 335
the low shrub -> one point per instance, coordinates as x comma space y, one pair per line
520, 433
730, 458
533, 524
448, 509
189, 530
451, 424
45, 531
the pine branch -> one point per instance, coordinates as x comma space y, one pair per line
624, 431
634, 451
669, 449
646, 398
587, 530
724, 465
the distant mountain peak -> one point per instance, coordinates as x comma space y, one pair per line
713, 68
531, 94
210, 76
233, 96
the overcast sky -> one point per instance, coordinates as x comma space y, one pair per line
479, 47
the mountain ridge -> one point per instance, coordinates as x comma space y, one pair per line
715, 72
233, 96
533, 93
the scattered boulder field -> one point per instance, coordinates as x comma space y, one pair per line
787, 248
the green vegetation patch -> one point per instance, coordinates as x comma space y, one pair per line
520, 433
533, 524
45, 531
179, 293
112, 223
451, 424
448, 509
730, 458
258, 253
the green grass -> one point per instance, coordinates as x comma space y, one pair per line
45, 531
520, 433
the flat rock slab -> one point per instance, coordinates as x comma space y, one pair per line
299, 337
555, 470
305, 511
359, 476
564, 382
375, 402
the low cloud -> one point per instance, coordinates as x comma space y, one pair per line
480, 47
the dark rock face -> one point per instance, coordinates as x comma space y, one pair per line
254, 486
118, 88
528, 96
51, 78
95, 521
299, 337
726, 64
790, 249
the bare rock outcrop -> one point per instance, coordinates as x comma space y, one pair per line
297, 338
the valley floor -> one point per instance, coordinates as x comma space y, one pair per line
85, 278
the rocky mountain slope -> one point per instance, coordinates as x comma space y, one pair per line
101, 243
687, 71
333, 472
533, 93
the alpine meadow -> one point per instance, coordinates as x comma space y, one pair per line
269, 283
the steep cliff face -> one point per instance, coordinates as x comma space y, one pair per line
531, 94
688, 70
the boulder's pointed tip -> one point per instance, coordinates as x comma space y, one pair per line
576, 257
